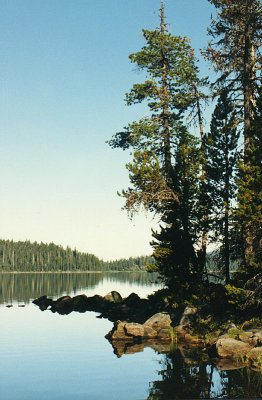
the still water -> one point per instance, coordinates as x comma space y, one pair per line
52, 356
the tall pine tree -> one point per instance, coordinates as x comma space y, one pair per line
164, 171
222, 161
235, 53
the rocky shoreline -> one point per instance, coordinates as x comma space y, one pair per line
140, 323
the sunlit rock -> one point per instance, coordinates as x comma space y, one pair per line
113, 296
231, 348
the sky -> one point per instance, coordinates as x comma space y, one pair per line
64, 72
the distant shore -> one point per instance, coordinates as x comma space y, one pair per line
65, 272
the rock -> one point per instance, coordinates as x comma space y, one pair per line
149, 332
63, 302
132, 299
231, 348
255, 356
79, 302
43, 302
134, 329
118, 332
258, 335
164, 334
159, 321
113, 296
156, 326
130, 331
249, 338
187, 320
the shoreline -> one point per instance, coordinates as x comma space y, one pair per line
68, 272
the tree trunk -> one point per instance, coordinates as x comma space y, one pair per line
226, 217
203, 250
249, 104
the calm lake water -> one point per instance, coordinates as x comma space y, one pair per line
52, 356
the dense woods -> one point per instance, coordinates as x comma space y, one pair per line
204, 187
30, 257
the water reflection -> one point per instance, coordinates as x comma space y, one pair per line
184, 373
23, 287
192, 378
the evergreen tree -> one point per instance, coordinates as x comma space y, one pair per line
176, 259
222, 159
235, 53
161, 171
248, 214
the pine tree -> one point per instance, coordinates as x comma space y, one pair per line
222, 160
235, 54
161, 173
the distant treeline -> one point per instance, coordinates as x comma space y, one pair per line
130, 264
42, 257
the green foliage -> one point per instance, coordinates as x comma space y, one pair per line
222, 156
236, 296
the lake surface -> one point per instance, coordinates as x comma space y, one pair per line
52, 356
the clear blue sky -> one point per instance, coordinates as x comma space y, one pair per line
64, 71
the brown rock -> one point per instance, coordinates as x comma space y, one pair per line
149, 332
134, 329
118, 331
231, 348
159, 321
255, 356
164, 334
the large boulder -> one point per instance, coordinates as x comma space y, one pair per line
63, 302
113, 296
130, 331
159, 321
231, 348
134, 329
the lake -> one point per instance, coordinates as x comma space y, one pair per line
52, 356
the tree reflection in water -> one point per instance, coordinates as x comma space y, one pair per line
185, 374
27, 286
191, 378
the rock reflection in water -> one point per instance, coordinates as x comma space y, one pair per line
189, 377
122, 347
183, 373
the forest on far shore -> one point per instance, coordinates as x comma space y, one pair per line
41, 257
